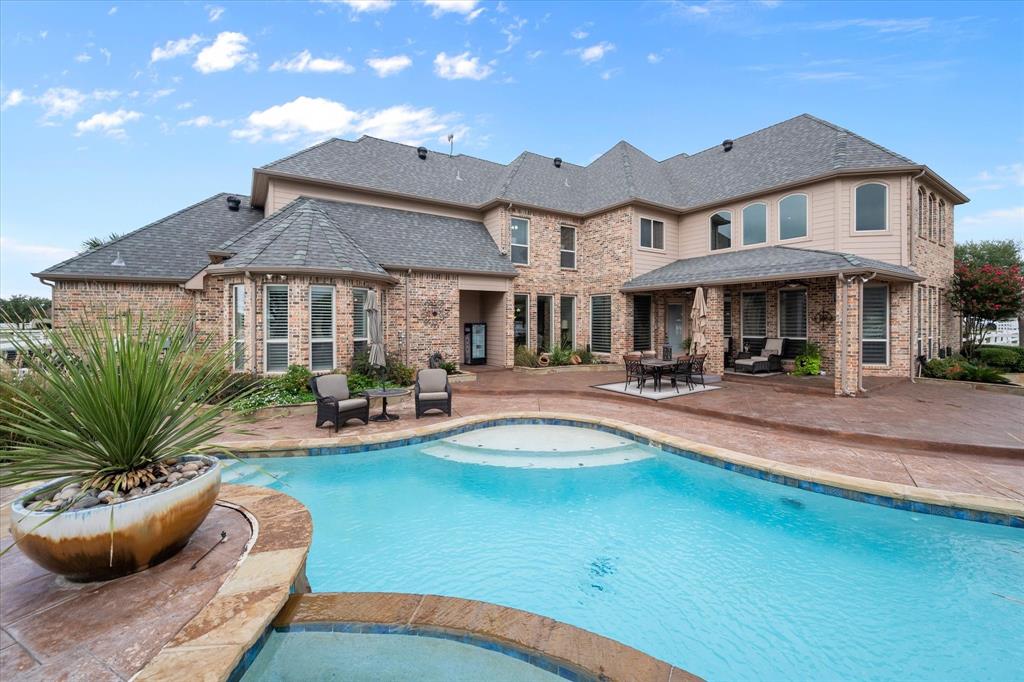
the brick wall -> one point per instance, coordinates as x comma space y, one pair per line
432, 317
77, 300
931, 255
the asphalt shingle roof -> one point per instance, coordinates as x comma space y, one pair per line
797, 149
764, 263
170, 249
317, 234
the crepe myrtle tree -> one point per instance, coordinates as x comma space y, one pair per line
981, 294
1000, 253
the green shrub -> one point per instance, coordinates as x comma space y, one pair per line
586, 357
986, 375
357, 383
526, 357
290, 388
1006, 358
808, 363
450, 367
957, 368
235, 385
560, 356
395, 371
295, 379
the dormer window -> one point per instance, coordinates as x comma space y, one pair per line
793, 217
652, 234
520, 241
870, 207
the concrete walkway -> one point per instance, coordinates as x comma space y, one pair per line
928, 436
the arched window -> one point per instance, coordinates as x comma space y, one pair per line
931, 216
942, 221
721, 230
871, 207
793, 216
755, 224
922, 213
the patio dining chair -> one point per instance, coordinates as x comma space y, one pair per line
333, 403
682, 372
634, 370
697, 369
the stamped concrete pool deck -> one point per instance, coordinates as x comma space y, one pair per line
943, 437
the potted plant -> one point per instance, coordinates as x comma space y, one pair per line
112, 419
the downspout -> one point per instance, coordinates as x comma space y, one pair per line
408, 279
913, 287
842, 336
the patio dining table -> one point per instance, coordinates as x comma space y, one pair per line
658, 368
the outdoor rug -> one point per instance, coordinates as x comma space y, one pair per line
665, 393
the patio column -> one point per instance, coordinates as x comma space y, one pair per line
846, 379
714, 332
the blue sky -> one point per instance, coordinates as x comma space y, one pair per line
117, 113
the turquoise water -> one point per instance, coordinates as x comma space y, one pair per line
725, 575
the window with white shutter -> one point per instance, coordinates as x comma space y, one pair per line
321, 328
875, 325
359, 333
793, 314
601, 324
238, 325
754, 318
275, 327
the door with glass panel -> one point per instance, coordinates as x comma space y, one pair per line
674, 324
544, 320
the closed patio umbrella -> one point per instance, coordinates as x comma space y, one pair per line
378, 358
699, 318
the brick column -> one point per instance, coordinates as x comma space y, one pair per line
848, 306
713, 331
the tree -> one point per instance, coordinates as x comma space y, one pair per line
1004, 253
96, 242
981, 294
21, 309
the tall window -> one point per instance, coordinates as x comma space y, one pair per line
931, 216
275, 327
793, 313
870, 207
601, 323
942, 221
567, 321
359, 330
652, 234
521, 241
641, 323
521, 320
875, 324
568, 251
727, 313
721, 230
793, 216
238, 325
920, 320
931, 321
922, 213
545, 319
754, 319
755, 224
321, 328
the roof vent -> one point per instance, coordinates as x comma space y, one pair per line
119, 262
726, 145
421, 152
558, 162
233, 203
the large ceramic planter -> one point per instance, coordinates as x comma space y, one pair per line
146, 530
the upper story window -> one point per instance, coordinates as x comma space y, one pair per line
871, 207
922, 213
721, 230
793, 216
755, 224
521, 241
942, 221
931, 216
652, 234
567, 257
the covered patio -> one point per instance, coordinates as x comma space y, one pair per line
856, 311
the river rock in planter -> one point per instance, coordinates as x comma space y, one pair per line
190, 474
86, 502
191, 466
173, 478
105, 495
91, 543
68, 492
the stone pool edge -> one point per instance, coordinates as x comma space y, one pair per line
965, 506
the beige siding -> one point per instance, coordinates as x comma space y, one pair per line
482, 283
487, 307
645, 260
281, 192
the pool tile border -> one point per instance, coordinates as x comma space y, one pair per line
963, 506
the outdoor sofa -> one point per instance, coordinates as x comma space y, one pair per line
769, 360
333, 403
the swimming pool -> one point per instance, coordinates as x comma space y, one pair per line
725, 575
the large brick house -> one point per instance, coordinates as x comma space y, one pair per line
803, 230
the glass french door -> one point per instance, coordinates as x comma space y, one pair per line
674, 324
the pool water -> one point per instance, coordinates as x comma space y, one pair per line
725, 575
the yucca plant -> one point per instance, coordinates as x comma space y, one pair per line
107, 404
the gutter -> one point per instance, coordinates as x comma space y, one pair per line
772, 278
292, 270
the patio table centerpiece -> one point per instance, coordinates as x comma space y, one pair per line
111, 419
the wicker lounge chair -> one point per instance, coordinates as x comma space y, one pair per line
770, 359
333, 403
433, 392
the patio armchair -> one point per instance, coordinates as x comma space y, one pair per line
634, 369
433, 392
333, 402
769, 360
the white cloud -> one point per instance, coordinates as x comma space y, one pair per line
594, 53
770, 4
63, 102
511, 33
305, 62
204, 121
471, 17
1000, 177
106, 54
360, 6
160, 94
105, 95
442, 7
534, 54
174, 48
309, 118
825, 76
112, 11
110, 123
654, 58
185, 105
229, 50
1013, 215
52, 253
214, 13
389, 66
83, 58
13, 99
461, 66
610, 73
579, 34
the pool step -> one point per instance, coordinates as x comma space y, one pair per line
243, 473
537, 460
